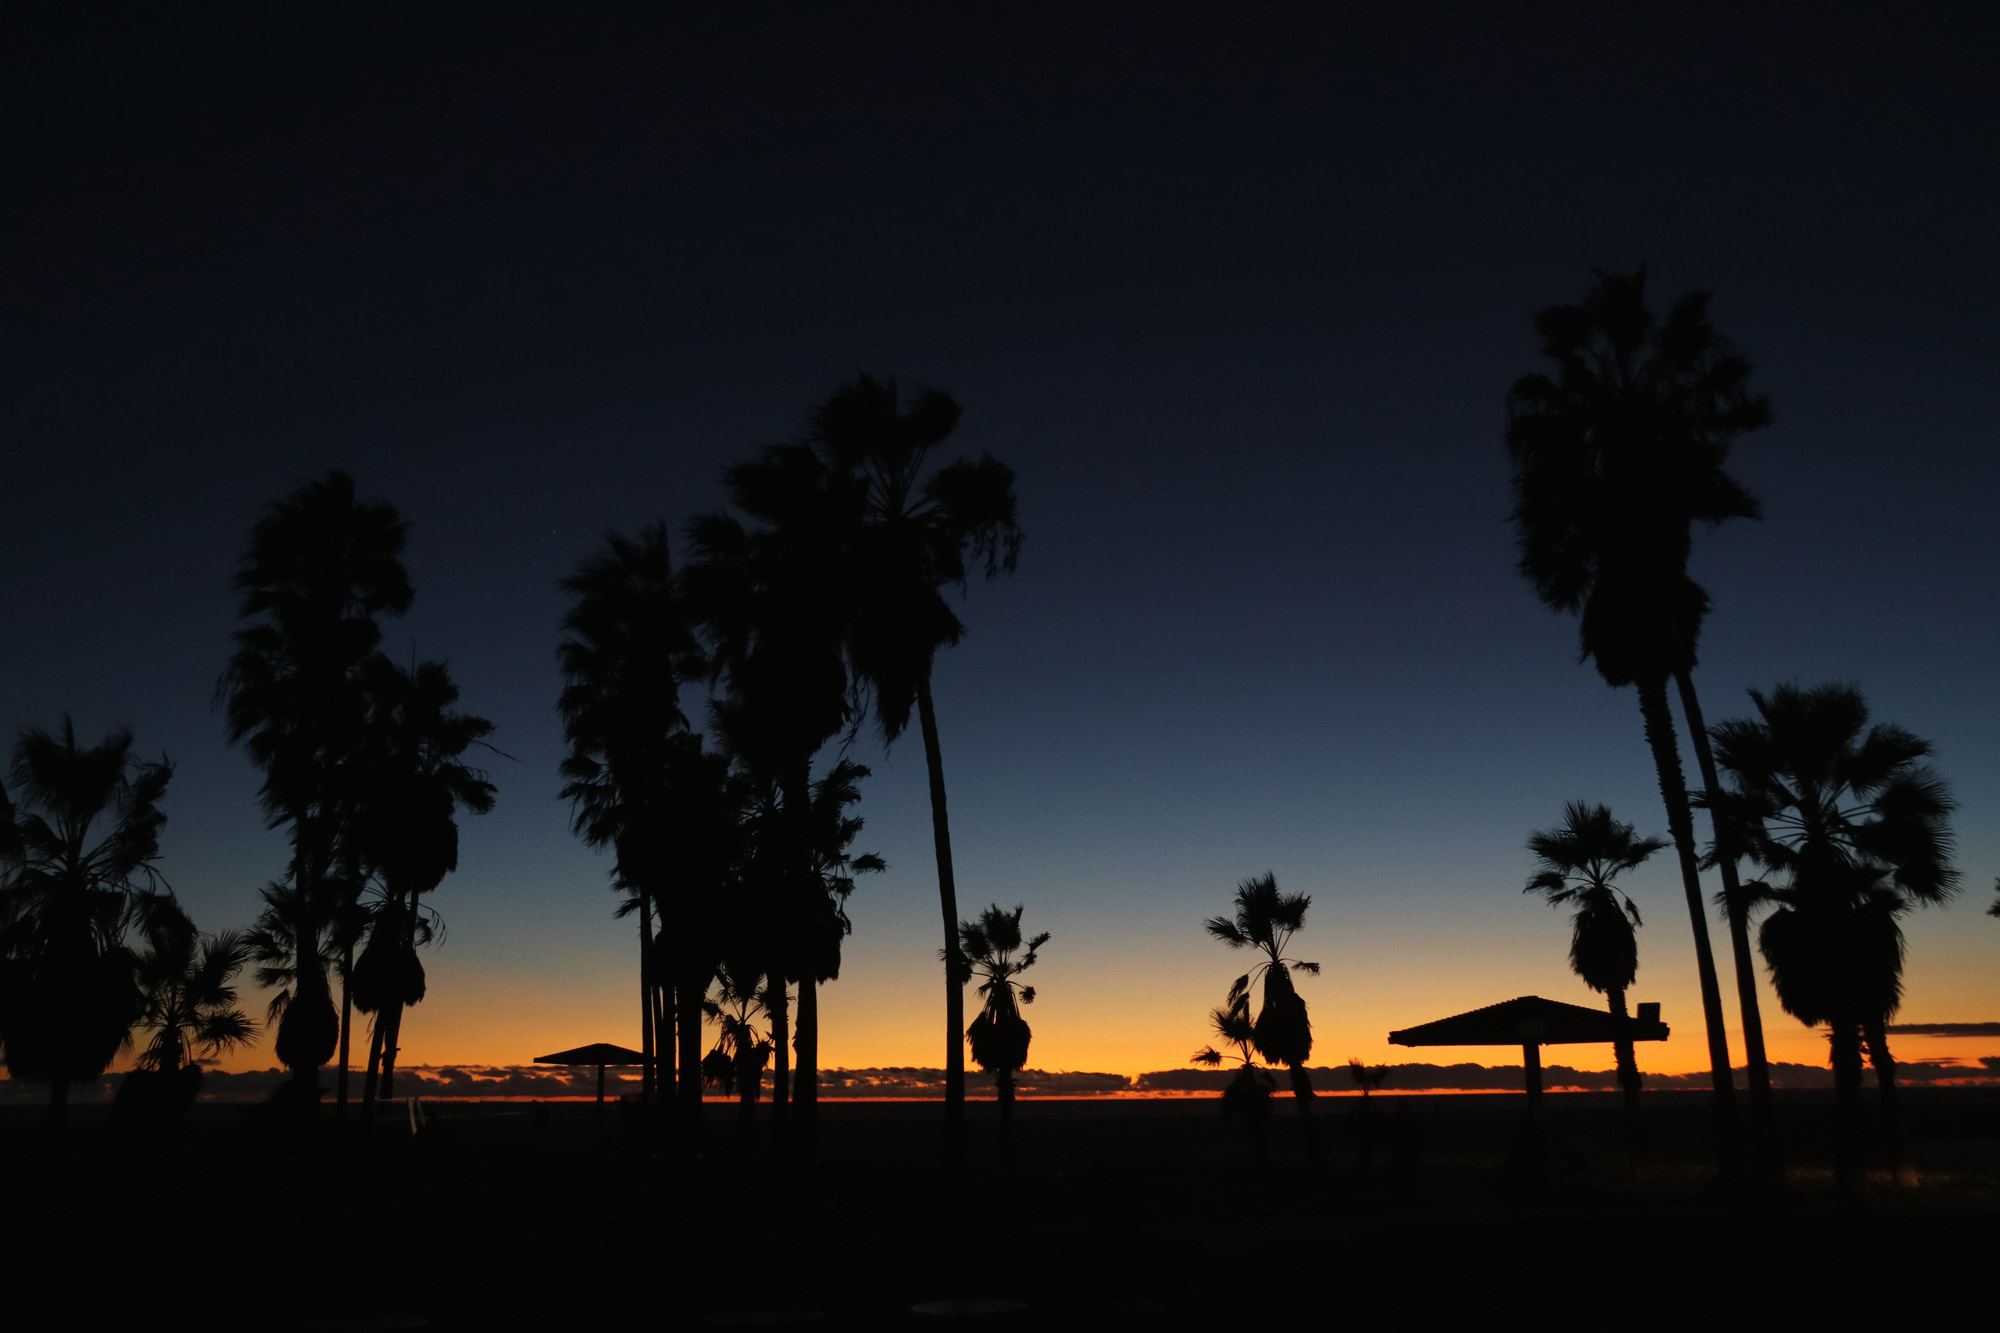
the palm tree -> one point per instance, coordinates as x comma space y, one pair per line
82, 847
627, 648
1266, 920
413, 772
293, 941
1616, 455
1249, 1092
321, 566
187, 980
1851, 829
771, 606
999, 1036
912, 535
1574, 867
741, 1052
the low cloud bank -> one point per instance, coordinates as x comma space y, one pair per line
545, 1082
1945, 1029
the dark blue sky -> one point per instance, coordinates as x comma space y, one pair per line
1238, 299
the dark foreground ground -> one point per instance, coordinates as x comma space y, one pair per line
1115, 1215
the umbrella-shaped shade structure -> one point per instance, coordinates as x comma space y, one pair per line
1531, 1023
602, 1054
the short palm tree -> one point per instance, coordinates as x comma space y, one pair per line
1617, 454
82, 851
1575, 865
1248, 1094
736, 1063
293, 942
987, 952
190, 1010
1851, 829
1265, 920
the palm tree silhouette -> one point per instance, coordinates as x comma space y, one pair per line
187, 981
321, 566
627, 648
911, 536
736, 1064
1851, 830
1616, 455
771, 607
82, 845
292, 941
999, 1036
1574, 867
1266, 920
412, 767
1248, 1094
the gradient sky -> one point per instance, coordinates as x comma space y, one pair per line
1238, 299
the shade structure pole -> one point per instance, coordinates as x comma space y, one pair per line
1531, 1060
600, 1084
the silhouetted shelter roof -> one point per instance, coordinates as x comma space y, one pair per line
599, 1053
1531, 1020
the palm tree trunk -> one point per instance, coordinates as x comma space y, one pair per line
781, 1057
648, 1062
805, 1081
1659, 724
1846, 1040
1892, 1113
1739, 931
346, 1022
371, 1085
804, 887
393, 1043
1628, 1063
954, 986
1003, 1082
688, 998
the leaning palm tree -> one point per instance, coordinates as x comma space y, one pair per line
1575, 865
999, 1036
911, 533
190, 1010
82, 853
1266, 920
321, 567
1616, 455
1851, 829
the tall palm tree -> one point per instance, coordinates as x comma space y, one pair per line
1616, 455
1265, 920
187, 979
999, 1036
1575, 865
321, 567
771, 605
1851, 829
82, 850
415, 780
628, 645
914, 531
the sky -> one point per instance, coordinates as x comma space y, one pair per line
1238, 298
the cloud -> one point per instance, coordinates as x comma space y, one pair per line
1945, 1029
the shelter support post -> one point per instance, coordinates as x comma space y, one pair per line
600, 1084
1531, 1060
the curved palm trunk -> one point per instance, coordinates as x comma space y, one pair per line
1892, 1115
1628, 1063
1739, 932
371, 1084
1846, 1040
954, 989
1680, 823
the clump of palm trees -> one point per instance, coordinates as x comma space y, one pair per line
93, 945
815, 602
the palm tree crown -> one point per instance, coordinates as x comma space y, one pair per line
1265, 920
1575, 866
987, 950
